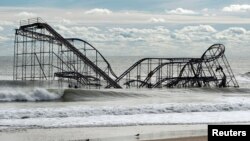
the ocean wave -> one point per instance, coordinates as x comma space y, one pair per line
87, 111
247, 74
243, 78
71, 95
36, 94
130, 120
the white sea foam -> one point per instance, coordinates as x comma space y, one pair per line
87, 111
128, 120
36, 94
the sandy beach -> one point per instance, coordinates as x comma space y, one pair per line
198, 138
131, 133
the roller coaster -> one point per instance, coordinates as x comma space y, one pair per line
41, 53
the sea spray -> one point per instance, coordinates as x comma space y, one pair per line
36, 94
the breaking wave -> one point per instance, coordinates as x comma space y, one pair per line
67, 95
243, 78
247, 74
41, 94
36, 94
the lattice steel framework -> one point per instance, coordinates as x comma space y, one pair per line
41, 53
211, 70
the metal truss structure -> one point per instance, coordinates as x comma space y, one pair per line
211, 70
41, 53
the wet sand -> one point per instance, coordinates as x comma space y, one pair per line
198, 138
126, 133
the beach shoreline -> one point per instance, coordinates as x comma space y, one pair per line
132, 133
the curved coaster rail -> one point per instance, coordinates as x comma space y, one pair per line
211, 70
41, 53
54, 55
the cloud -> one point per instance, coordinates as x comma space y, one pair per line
6, 23
90, 33
157, 20
155, 36
76, 16
194, 33
209, 15
237, 8
26, 14
1, 28
205, 10
115, 34
85, 29
181, 11
233, 33
132, 29
64, 21
3, 39
198, 29
140, 31
61, 27
99, 11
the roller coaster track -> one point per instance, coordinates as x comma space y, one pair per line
175, 80
55, 36
41, 53
51, 38
108, 66
78, 76
160, 67
172, 60
131, 68
199, 71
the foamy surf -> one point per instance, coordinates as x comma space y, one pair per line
130, 120
41, 94
94, 108
234, 104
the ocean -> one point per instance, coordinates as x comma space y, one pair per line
42, 107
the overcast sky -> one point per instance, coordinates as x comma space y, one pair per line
138, 27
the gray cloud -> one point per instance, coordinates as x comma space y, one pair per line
137, 33
237, 34
3, 39
106, 16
